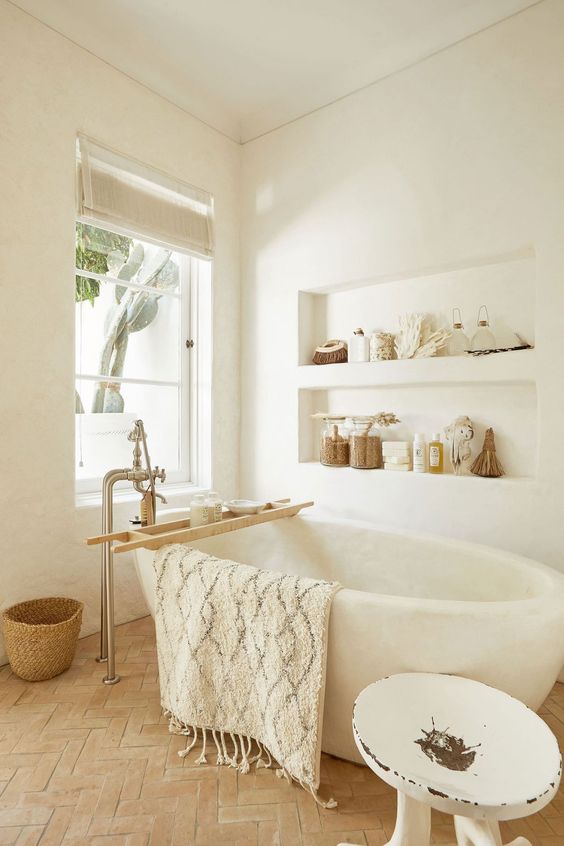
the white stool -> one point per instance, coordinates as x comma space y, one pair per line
459, 746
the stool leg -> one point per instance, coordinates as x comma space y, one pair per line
471, 832
413, 823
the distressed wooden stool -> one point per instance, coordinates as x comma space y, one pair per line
459, 746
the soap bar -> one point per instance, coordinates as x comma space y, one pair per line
396, 450
396, 445
398, 459
388, 466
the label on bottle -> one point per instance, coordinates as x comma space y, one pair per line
419, 457
198, 515
434, 456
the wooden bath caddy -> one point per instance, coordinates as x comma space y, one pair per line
179, 531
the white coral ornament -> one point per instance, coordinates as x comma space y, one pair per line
431, 342
416, 338
409, 336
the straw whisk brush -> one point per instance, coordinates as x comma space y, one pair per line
487, 463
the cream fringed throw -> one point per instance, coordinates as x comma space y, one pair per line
242, 655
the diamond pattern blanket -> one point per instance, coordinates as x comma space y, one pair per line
242, 657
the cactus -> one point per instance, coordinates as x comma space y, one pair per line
133, 311
105, 252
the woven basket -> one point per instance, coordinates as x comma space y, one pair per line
41, 636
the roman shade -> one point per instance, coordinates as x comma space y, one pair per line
126, 195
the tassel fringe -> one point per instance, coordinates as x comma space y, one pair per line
240, 759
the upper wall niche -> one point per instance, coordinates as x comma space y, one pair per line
506, 286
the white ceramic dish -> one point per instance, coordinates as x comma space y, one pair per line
245, 506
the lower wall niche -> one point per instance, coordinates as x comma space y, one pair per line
510, 408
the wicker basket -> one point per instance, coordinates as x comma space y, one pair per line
41, 636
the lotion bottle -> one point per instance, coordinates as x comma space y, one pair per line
436, 454
419, 454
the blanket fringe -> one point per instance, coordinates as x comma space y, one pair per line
235, 758
240, 759
202, 758
189, 746
219, 760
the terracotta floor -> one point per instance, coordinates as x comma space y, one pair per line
84, 763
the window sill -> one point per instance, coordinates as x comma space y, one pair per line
172, 492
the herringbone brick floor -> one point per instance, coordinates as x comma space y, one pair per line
84, 763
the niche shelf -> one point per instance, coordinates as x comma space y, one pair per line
420, 480
498, 390
516, 367
506, 284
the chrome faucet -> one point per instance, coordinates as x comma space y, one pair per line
137, 474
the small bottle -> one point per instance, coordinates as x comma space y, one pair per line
359, 346
436, 454
215, 507
199, 511
458, 343
483, 338
419, 454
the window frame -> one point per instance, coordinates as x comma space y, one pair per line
194, 385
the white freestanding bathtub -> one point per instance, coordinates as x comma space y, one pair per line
409, 603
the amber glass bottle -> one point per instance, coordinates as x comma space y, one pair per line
436, 461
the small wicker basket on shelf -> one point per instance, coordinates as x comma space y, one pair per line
41, 636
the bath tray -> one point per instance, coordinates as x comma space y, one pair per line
179, 531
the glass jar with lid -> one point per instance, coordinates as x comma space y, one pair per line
334, 447
365, 447
458, 343
483, 338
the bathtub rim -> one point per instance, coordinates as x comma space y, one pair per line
553, 580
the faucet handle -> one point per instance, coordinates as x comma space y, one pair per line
159, 473
135, 434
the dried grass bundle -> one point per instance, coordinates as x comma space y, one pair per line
487, 463
385, 418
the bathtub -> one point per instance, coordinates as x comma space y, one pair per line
409, 603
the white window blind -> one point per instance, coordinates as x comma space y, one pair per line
130, 196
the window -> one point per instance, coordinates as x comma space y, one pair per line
142, 337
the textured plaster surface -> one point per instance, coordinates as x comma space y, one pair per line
51, 90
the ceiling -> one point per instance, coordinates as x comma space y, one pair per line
248, 66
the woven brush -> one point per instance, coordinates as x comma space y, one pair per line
331, 352
487, 463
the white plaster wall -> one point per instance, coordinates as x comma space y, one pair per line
50, 90
445, 164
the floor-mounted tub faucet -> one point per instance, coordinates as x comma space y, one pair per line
137, 474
